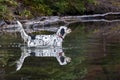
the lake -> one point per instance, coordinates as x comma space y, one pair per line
93, 47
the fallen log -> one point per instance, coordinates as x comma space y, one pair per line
63, 20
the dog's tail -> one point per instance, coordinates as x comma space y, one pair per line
22, 31
19, 23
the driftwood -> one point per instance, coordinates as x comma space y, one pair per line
50, 20
47, 21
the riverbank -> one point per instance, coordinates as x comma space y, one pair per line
25, 9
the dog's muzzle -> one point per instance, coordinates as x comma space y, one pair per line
69, 30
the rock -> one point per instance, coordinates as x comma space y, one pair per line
2, 23
103, 6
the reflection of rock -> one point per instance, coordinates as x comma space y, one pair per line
45, 52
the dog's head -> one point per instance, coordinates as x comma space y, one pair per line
64, 60
63, 30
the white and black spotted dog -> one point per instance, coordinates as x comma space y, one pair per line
44, 40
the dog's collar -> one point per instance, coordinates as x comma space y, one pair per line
60, 36
60, 54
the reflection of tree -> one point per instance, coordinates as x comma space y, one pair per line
8, 56
48, 69
8, 39
4, 60
76, 44
5, 56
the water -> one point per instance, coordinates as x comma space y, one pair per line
94, 49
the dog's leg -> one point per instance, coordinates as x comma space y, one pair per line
23, 33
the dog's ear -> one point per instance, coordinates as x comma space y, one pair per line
62, 31
62, 59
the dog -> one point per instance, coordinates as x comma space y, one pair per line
44, 40
56, 52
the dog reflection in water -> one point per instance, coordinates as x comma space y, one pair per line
44, 40
47, 52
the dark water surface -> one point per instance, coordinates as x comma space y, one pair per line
94, 49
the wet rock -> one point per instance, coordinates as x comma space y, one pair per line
2, 23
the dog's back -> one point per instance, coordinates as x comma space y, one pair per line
45, 40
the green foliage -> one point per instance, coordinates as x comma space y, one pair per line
38, 8
11, 2
33, 8
42, 9
61, 6
55, 7
4, 8
26, 13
